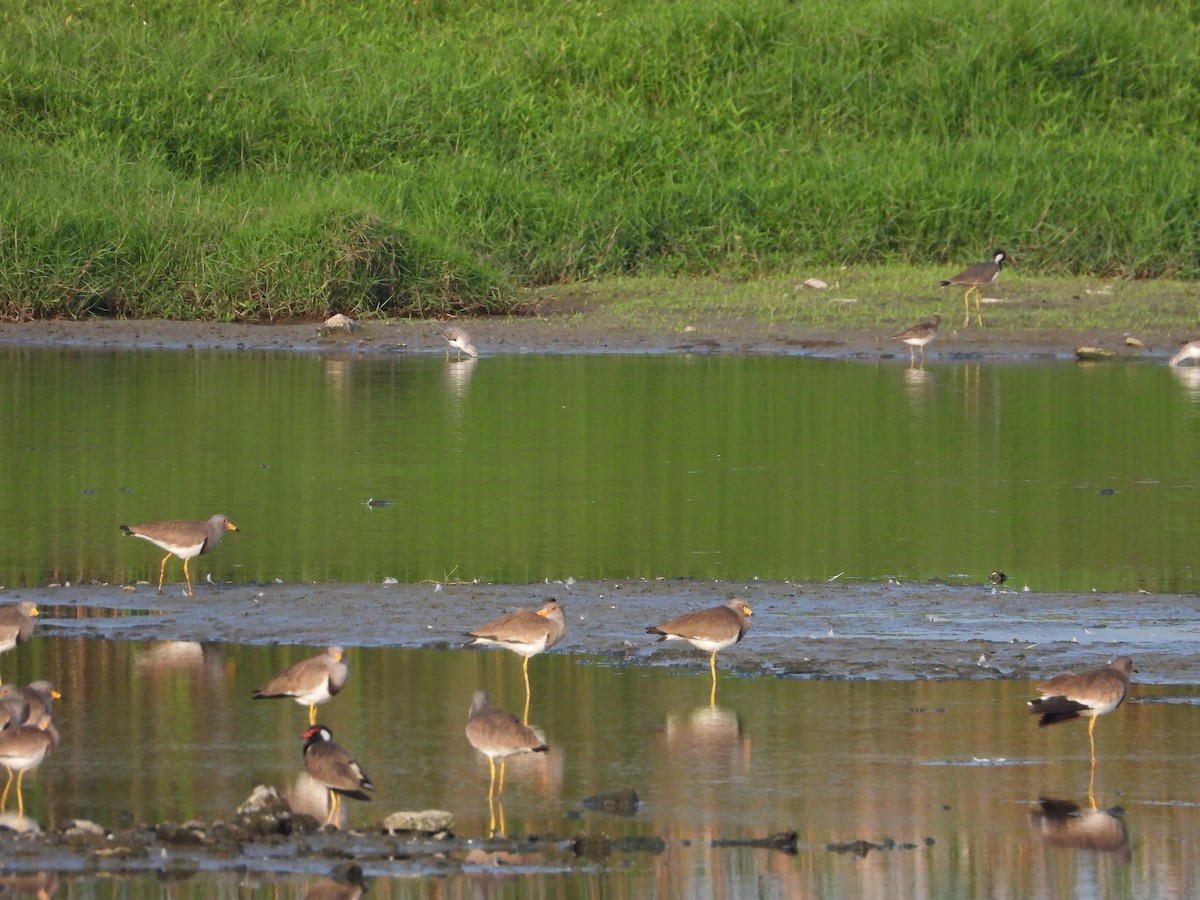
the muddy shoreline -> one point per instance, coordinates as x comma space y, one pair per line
579, 330
887, 631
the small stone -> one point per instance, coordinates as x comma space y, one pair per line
815, 284
80, 838
83, 826
264, 799
170, 833
436, 822
338, 322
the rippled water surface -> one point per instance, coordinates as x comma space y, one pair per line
167, 732
517, 468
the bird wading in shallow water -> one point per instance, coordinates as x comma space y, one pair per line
527, 633
1190, 350
185, 538
498, 734
1090, 694
24, 747
710, 630
460, 340
309, 682
333, 767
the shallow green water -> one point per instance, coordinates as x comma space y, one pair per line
519, 468
167, 731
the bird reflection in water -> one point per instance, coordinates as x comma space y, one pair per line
1068, 825
1189, 379
709, 736
29, 884
919, 378
305, 795
345, 884
189, 657
457, 374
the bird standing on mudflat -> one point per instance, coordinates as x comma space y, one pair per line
976, 277
919, 335
309, 682
184, 538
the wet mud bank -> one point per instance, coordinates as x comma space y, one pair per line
588, 330
825, 631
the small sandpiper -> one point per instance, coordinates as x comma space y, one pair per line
919, 335
460, 340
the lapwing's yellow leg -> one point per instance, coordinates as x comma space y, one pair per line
162, 570
525, 669
20, 801
712, 666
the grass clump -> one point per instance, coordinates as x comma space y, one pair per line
268, 159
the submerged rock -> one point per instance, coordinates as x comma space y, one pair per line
780, 840
625, 802
593, 846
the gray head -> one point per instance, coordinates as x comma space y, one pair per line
478, 701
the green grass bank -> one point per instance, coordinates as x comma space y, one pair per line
262, 160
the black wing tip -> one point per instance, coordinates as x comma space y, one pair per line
355, 795
1054, 710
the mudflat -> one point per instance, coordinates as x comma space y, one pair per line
566, 327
